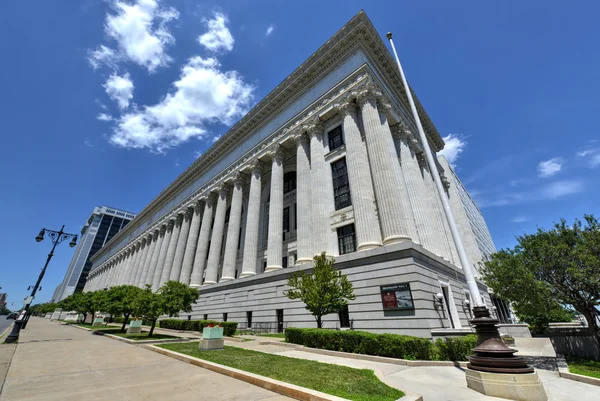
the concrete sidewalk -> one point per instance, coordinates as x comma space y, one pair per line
434, 383
58, 362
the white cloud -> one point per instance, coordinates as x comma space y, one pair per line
585, 153
592, 156
455, 145
559, 189
548, 168
197, 154
104, 117
119, 89
88, 143
269, 30
594, 161
520, 219
140, 30
204, 94
218, 36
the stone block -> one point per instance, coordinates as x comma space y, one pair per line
519, 387
134, 330
212, 344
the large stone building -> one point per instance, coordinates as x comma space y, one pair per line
100, 227
327, 162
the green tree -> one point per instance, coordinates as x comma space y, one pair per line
324, 291
549, 269
119, 301
148, 305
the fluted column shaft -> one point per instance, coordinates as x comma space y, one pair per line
135, 253
123, 268
275, 240
216, 240
322, 193
152, 258
158, 247
180, 249
144, 262
162, 255
233, 232
417, 193
202, 248
303, 200
191, 244
368, 233
381, 151
249, 264
170, 256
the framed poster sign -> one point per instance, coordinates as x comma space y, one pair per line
397, 297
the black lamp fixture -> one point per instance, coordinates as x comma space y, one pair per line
40, 236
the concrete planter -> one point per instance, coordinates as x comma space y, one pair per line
212, 333
99, 321
135, 327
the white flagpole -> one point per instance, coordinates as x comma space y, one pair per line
467, 268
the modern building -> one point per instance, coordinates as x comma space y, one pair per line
326, 162
100, 227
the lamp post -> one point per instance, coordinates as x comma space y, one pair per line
57, 237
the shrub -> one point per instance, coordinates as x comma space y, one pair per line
362, 342
229, 328
455, 348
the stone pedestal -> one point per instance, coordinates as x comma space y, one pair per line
98, 322
520, 387
211, 344
135, 327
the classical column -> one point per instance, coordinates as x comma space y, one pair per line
249, 263
381, 151
112, 274
204, 237
216, 240
275, 240
368, 233
170, 256
124, 267
303, 200
417, 191
233, 231
145, 261
156, 247
190, 246
322, 192
162, 255
132, 265
181, 242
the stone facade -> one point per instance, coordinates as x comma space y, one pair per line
327, 162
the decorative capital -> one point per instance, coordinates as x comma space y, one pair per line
345, 106
162, 229
211, 199
314, 127
179, 217
445, 181
277, 152
301, 138
368, 93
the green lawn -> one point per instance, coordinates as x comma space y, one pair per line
584, 367
273, 335
89, 326
341, 381
142, 336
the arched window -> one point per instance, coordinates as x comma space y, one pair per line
289, 182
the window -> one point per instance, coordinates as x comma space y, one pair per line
346, 239
286, 219
264, 265
284, 262
206, 316
344, 315
249, 318
336, 139
289, 182
224, 317
341, 187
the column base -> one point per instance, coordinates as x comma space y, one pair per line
395, 239
520, 387
272, 268
247, 274
303, 260
365, 246
195, 285
209, 282
226, 279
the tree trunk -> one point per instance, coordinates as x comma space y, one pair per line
124, 322
152, 328
590, 316
84, 317
319, 322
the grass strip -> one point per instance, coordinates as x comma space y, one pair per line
584, 367
342, 381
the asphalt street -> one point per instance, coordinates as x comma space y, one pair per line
4, 323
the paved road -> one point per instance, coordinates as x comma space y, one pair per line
4, 323
56, 362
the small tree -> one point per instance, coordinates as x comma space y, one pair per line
148, 305
177, 297
119, 301
324, 291
560, 266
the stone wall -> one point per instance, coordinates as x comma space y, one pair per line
575, 342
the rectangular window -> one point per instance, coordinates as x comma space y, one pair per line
206, 316
249, 318
346, 239
224, 317
336, 139
284, 262
344, 316
341, 186
286, 219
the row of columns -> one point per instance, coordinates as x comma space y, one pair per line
392, 193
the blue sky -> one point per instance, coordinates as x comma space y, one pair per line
106, 102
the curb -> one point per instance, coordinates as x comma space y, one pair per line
362, 357
134, 342
287, 389
563, 371
5, 331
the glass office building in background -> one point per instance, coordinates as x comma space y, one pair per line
101, 226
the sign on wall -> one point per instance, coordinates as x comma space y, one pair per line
397, 297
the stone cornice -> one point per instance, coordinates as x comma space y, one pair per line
357, 34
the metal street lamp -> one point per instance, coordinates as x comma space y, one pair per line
57, 237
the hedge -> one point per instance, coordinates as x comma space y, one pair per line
121, 319
388, 345
229, 328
